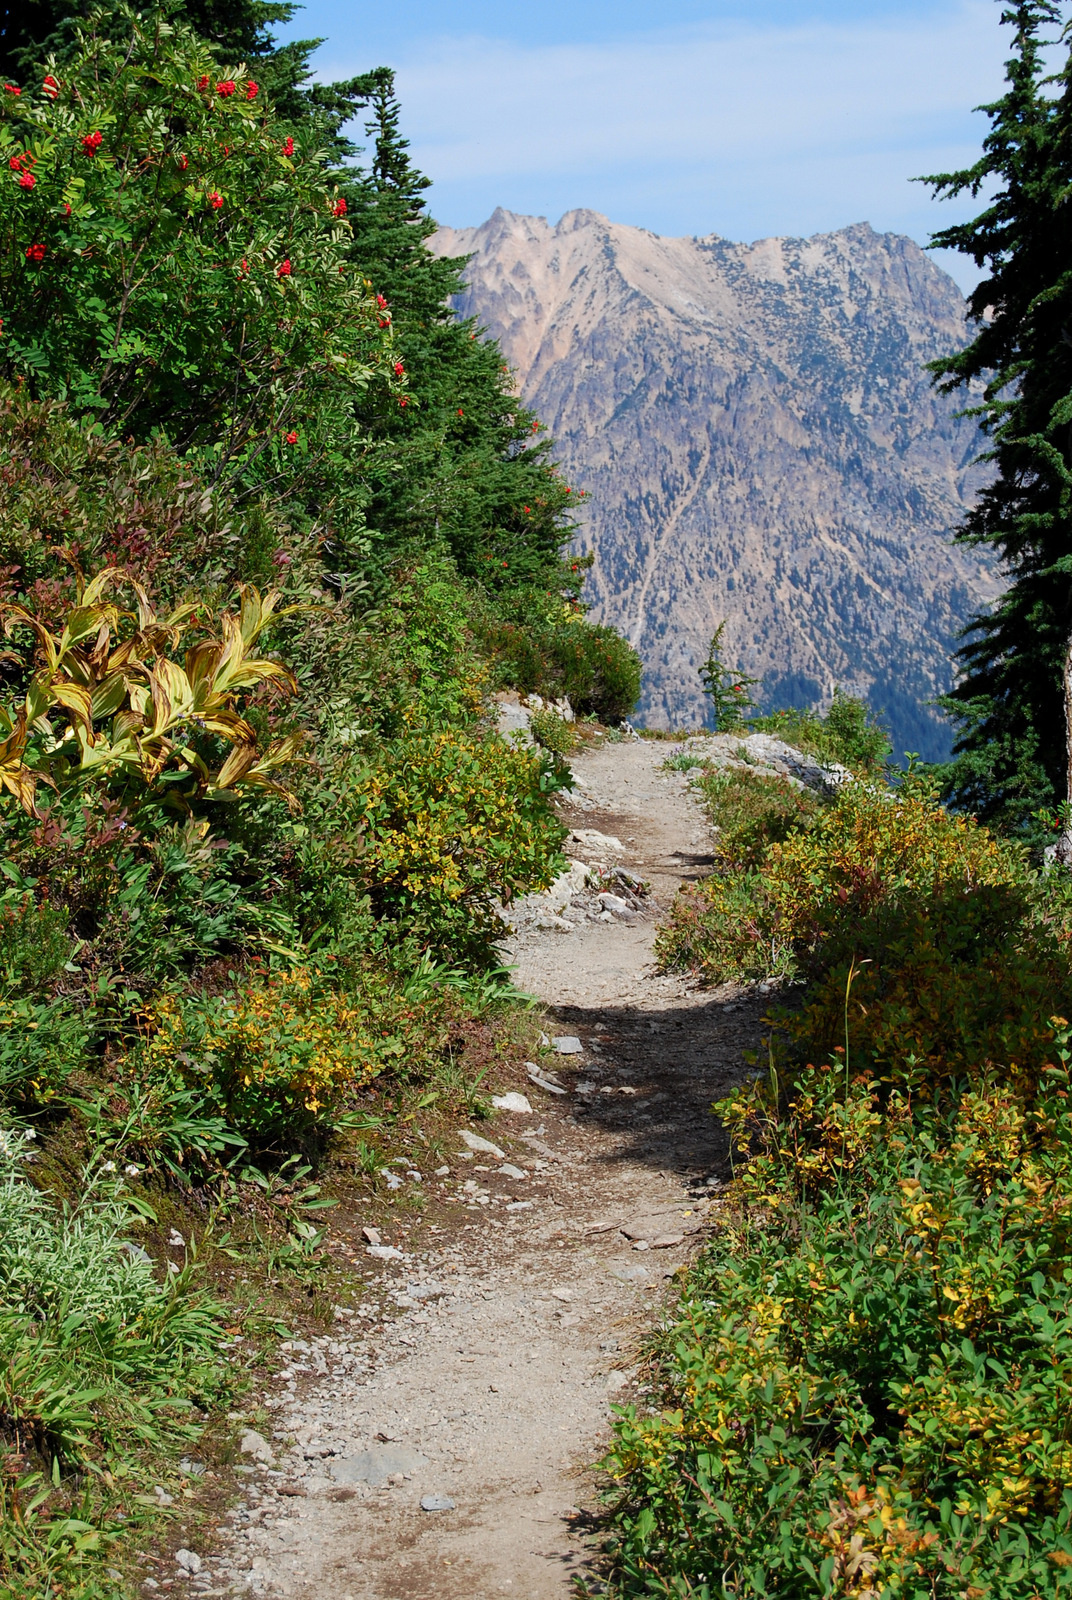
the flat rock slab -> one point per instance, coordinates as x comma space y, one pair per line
657, 1226
567, 1044
378, 1463
483, 1147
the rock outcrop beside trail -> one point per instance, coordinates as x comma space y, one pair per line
761, 442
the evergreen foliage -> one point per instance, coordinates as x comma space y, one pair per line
1017, 375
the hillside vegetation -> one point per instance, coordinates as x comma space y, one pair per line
273, 529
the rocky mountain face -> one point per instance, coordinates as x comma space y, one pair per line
761, 443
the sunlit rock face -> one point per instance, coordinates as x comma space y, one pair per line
759, 435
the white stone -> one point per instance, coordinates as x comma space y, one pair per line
512, 1102
482, 1146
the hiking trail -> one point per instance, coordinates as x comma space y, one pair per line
513, 1325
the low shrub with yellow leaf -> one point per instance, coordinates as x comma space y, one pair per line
282, 1054
865, 1388
868, 1395
456, 822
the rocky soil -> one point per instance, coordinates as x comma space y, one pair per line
439, 1443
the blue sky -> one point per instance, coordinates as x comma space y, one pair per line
694, 117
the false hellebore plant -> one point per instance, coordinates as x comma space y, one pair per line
106, 698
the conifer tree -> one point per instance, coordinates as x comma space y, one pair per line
1017, 372
463, 462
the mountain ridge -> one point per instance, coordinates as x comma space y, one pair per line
762, 444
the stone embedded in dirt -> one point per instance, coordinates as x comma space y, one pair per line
653, 1225
256, 1445
508, 1170
188, 1560
562, 1294
512, 1102
437, 1502
666, 1240
371, 1235
594, 843
483, 1147
377, 1464
567, 1044
385, 1252
536, 1077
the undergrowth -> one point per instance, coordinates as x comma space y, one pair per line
865, 1386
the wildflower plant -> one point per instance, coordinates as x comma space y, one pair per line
170, 259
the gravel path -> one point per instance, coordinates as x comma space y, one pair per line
516, 1321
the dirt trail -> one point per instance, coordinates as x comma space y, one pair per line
514, 1323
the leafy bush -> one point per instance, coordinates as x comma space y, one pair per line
552, 732
849, 733
865, 1387
869, 1397
539, 644
751, 811
809, 890
172, 249
456, 823
280, 1057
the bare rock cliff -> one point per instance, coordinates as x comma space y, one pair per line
761, 443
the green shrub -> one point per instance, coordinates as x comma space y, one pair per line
864, 1390
870, 1397
849, 733
750, 811
807, 887
454, 824
552, 732
538, 645
280, 1058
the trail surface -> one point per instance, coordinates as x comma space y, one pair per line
514, 1321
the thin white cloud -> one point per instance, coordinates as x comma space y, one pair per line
478, 107
738, 129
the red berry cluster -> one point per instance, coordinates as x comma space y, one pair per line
91, 144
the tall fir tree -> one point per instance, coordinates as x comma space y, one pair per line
1009, 757
464, 462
